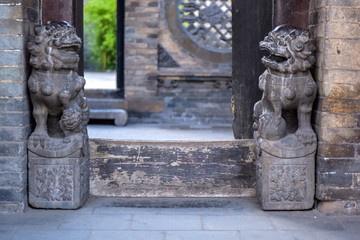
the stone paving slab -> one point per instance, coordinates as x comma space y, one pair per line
237, 223
96, 221
166, 222
336, 235
307, 223
51, 235
126, 210
127, 235
235, 219
196, 235
275, 235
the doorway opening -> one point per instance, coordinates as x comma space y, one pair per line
176, 68
104, 45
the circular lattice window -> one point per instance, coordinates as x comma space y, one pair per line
203, 27
207, 22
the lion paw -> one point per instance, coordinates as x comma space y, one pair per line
41, 139
306, 136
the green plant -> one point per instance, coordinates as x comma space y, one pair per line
100, 32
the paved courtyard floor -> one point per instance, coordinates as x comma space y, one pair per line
159, 132
224, 219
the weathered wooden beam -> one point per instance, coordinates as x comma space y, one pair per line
70, 11
251, 22
172, 168
294, 13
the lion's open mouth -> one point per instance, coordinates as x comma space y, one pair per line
273, 56
276, 58
70, 48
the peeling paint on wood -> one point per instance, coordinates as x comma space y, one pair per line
172, 168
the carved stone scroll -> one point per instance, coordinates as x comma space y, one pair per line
285, 141
58, 148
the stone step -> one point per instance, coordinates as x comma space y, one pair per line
120, 116
172, 168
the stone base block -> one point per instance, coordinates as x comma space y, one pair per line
285, 180
58, 182
339, 207
120, 116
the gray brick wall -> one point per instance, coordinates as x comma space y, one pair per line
141, 31
17, 18
336, 28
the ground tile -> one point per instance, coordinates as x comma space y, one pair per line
245, 211
202, 235
307, 223
166, 222
237, 223
192, 211
34, 220
127, 235
124, 210
352, 223
276, 235
31, 234
6, 234
96, 221
336, 235
306, 213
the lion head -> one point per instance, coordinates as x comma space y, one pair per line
54, 47
291, 50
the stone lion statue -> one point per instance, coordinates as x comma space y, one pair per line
288, 87
56, 90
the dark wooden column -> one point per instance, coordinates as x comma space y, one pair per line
252, 20
291, 12
66, 10
120, 36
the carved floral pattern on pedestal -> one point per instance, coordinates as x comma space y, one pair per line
54, 183
287, 183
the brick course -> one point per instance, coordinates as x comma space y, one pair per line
141, 24
335, 25
17, 19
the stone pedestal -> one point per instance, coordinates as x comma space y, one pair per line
285, 174
58, 173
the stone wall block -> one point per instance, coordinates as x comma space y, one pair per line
335, 120
339, 3
11, 27
346, 106
340, 91
13, 89
344, 135
11, 58
335, 179
11, 164
341, 30
12, 73
14, 133
342, 165
343, 14
12, 179
12, 194
335, 150
11, 12
14, 104
10, 149
11, 43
